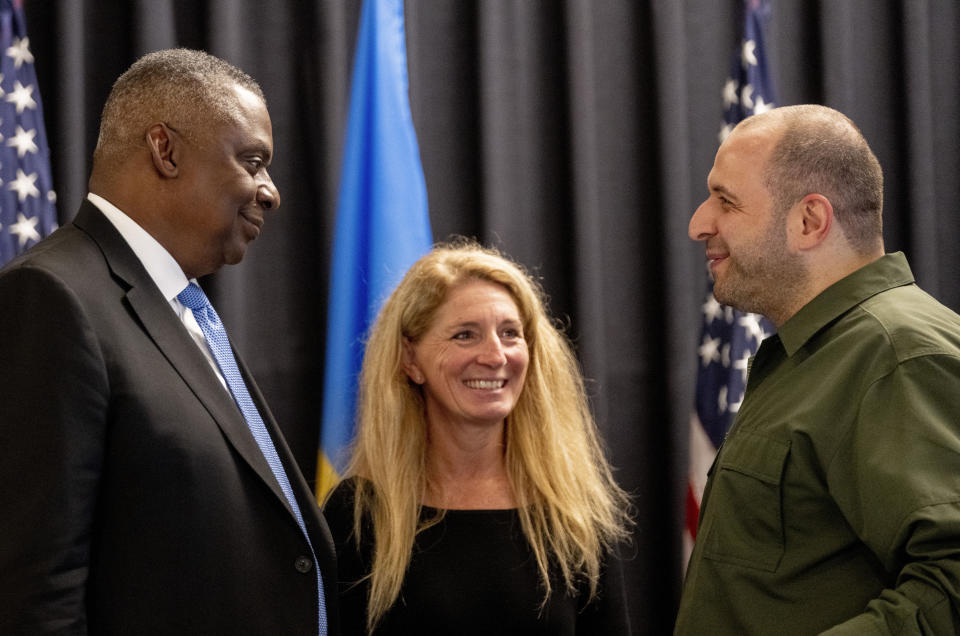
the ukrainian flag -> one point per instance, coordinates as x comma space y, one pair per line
382, 220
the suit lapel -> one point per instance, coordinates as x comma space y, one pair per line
170, 336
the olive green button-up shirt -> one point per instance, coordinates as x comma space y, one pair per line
834, 503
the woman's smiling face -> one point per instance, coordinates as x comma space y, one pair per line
473, 359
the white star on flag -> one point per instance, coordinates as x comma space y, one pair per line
709, 350
23, 185
712, 310
22, 96
749, 53
20, 52
23, 141
746, 96
761, 106
25, 228
730, 92
734, 407
751, 325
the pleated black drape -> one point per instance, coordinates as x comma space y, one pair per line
575, 135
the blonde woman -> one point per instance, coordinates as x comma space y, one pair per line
478, 499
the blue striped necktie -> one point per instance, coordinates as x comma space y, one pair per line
194, 298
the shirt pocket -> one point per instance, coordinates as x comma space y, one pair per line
746, 504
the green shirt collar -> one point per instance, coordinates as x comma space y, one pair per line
887, 272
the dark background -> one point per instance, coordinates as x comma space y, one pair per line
576, 135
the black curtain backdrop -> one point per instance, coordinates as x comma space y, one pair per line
575, 135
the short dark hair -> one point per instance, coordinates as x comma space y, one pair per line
185, 88
822, 151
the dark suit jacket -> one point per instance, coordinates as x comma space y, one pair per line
133, 497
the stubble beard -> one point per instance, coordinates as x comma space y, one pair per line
765, 280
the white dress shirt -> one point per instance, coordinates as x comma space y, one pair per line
162, 268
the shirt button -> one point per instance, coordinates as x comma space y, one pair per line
303, 564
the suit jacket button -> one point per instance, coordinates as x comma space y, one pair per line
303, 564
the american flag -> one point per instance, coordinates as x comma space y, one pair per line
27, 200
729, 337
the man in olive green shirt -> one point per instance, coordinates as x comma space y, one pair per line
834, 503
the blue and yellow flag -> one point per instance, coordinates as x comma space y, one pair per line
382, 220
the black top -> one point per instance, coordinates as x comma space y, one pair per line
472, 573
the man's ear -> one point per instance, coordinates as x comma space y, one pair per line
409, 365
164, 147
812, 221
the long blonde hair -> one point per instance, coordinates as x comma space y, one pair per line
571, 510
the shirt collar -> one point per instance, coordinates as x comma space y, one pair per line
158, 262
887, 272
